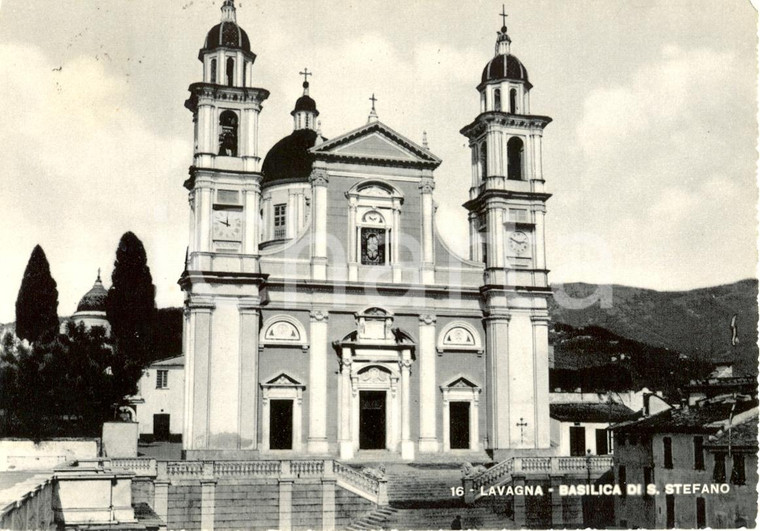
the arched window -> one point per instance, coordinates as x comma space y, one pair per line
213, 71
513, 101
483, 160
230, 71
374, 234
228, 134
497, 100
515, 158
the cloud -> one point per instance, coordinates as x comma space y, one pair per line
82, 169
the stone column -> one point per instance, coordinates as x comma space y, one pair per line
346, 442
328, 497
394, 258
292, 215
318, 384
319, 182
427, 185
199, 363
252, 229
428, 410
286, 496
407, 446
204, 205
520, 516
541, 379
497, 376
266, 218
208, 503
351, 254
539, 236
161, 499
557, 516
249, 378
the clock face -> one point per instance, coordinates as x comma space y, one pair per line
228, 225
518, 242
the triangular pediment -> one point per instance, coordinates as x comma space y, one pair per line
376, 142
461, 383
283, 380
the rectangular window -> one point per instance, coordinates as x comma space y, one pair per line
622, 480
719, 472
162, 379
738, 475
667, 452
280, 221
601, 442
374, 248
701, 513
699, 454
670, 511
648, 479
577, 441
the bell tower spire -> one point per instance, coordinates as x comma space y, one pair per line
228, 11
506, 211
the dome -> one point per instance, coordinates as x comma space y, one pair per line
306, 103
289, 160
227, 35
505, 66
95, 299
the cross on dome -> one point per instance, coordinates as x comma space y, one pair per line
503, 18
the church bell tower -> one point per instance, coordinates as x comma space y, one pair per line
506, 215
222, 276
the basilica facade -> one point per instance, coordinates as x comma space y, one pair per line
324, 314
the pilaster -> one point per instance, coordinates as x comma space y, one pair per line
428, 404
208, 503
317, 442
319, 181
161, 499
427, 185
497, 375
407, 446
249, 365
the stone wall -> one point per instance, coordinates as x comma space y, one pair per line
184, 507
246, 503
25, 454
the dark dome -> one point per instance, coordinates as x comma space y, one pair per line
289, 159
505, 66
95, 299
305, 103
227, 35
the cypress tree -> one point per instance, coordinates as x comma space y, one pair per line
131, 311
37, 302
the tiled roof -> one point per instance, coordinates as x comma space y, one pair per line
694, 419
741, 435
591, 412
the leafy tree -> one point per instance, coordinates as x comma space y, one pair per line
37, 302
57, 387
131, 311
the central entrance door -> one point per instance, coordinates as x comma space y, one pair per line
459, 425
372, 420
281, 424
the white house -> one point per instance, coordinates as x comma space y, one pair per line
159, 403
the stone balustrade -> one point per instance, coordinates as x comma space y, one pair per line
526, 467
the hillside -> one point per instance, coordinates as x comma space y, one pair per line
595, 359
694, 322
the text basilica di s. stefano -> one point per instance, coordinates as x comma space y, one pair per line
324, 313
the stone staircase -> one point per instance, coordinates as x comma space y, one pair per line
375, 520
420, 497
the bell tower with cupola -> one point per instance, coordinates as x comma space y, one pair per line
506, 214
222, 278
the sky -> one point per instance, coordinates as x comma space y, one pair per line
651, 155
